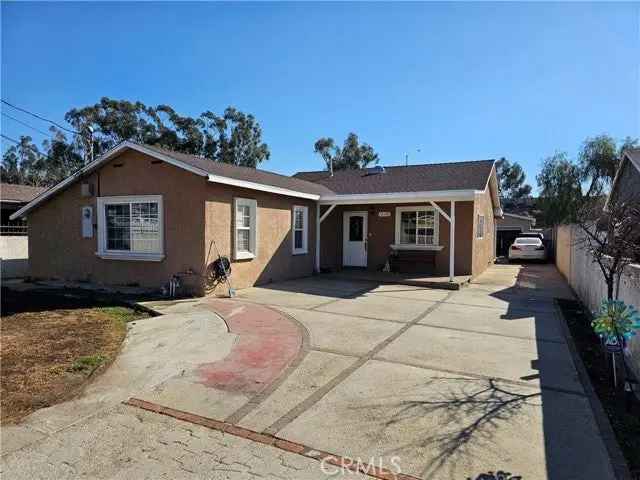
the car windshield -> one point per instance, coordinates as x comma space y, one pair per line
528, 241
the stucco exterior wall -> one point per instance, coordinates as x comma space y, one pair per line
57, 249
381, 234
587, 281
483, 248
274, 260
195, 212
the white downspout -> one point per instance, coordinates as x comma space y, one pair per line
452, 240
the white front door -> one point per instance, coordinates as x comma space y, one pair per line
354, 248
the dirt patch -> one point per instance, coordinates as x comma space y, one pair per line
621, 408
53, 343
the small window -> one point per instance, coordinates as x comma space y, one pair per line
300, 229
245, 228
130, 227
480, 227
356, 228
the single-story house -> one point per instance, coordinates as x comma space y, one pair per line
626, 183
13, 198
509, 227
140, 215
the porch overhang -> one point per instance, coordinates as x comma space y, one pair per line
400, 197
431, 197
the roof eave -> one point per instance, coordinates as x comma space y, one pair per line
398, 197
127, 145
261, 187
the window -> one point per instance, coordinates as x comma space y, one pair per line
416, 226
480, 227
300, 229
245, 228
130, 228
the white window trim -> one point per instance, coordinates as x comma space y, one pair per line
124, 254
483, 227
436, 229
253, 229
305, 230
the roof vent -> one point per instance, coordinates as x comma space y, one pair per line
377, 169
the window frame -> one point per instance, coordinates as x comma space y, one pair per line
107, 254
305, 230
478, 229
253, 229
415, 246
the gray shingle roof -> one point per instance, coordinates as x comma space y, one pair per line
247, 174
19, 193
471, 175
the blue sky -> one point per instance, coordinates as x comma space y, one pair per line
458, 81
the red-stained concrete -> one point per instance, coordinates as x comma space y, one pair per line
268, 342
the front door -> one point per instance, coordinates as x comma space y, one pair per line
354, 249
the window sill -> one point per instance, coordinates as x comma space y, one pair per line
244, 256
300, 252
397, 246
134, 257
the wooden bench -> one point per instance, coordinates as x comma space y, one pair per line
413, 261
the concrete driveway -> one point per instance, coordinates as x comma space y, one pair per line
442, 384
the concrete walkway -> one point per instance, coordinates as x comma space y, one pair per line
445, 384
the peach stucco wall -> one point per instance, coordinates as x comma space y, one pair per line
484, 248
274, 260
195, 212
56, 246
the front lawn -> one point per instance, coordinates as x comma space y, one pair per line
53, 343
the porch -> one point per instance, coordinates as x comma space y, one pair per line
423, 241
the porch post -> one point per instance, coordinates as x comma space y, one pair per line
317, 237
452, 240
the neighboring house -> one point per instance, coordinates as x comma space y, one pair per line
509, 226
626, 183
12, 199
13, 239
139, 215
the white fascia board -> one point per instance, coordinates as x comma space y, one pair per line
522, 217
261, 187
398, 197
115, 151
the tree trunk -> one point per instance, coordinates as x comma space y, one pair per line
609, 288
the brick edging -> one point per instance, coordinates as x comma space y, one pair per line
271, 440
616, 458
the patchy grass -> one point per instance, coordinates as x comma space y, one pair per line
53, 341
623, 411
88, 364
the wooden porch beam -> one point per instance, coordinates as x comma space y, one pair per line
440, 211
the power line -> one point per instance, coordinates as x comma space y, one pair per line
10, 139
40, 117
48, 134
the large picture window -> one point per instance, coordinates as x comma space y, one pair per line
246, 215
416, 227
130, 228
300, 229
